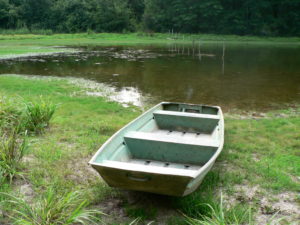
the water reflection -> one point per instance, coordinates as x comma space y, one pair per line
248, 77
127, 96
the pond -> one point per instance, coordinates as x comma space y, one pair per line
255, 77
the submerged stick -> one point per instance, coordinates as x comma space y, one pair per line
199, 52
223, 58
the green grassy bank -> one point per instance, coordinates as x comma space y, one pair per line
20, 44
258, 170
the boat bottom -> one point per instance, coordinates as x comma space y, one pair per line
166, 184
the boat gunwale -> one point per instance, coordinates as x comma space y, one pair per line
190, 173
118, 132
220, 148
197, 172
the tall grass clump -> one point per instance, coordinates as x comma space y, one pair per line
12, 148
12, 139
203, 207
197, 203
52, 209
218, 214
10, 114
38, 115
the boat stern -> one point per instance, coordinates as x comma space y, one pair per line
133, 179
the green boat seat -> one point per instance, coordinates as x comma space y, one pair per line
186, 121
169, 148
148, 168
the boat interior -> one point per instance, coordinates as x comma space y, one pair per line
173, 136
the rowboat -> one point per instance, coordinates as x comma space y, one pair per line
167, 150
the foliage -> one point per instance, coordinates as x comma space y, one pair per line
9, 114
38, 115
202, 207
12, 140
249, 17
35, 117
53, 209
12, 147
218, 214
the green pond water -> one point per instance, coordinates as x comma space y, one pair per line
255, 77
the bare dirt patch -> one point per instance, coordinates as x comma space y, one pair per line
25, 189
80, 171
279, 208
284, 204
157, 209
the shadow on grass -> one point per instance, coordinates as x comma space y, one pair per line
204, 204
168, 209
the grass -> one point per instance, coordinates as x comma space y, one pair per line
15, 45
15, 122
60, 155
206, 207
268, 149
141, 212
38, 115
25, 31
12, 149
196, 204
52, 209
10, 115
218, 214
261, 152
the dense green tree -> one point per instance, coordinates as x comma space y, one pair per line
4, 13
70, 16
112, 16
137, 8
208, 16
35, 13
247, 17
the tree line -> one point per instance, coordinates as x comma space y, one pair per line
247, 17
